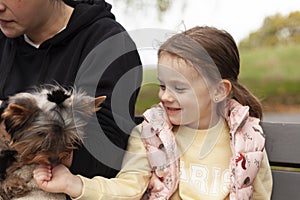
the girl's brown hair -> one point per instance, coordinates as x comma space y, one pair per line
216, 55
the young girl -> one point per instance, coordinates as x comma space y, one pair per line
202, 141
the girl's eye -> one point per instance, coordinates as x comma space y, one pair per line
179, 88
163, 87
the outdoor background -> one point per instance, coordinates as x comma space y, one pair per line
267, 32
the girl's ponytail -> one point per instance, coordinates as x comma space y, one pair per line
246, 98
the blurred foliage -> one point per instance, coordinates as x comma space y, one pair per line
149, 91
270, 60
272, 74
160, 6
276, 30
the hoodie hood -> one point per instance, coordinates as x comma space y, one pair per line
86, 12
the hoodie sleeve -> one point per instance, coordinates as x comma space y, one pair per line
113, 68
130, 183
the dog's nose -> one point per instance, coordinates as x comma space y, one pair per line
53, 159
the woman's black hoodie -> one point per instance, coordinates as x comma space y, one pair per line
59, 60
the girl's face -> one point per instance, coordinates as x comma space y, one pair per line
185, 94
23, 16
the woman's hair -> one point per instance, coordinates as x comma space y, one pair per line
215, 53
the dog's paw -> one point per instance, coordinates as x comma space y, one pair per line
3, 196
15, 187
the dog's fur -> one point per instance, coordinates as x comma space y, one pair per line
40, 127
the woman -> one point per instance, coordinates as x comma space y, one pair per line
52, 41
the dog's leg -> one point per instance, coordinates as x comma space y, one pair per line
15, 184
3, 195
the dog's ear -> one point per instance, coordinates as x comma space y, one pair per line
98, 101
15, 111
86, 105
17, 114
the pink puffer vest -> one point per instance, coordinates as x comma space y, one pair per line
247, 145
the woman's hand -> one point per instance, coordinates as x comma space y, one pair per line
58, 180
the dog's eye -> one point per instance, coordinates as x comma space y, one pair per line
65, 157
41, 133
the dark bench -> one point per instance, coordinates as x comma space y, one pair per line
283, 148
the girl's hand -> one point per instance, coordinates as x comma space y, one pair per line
57, 180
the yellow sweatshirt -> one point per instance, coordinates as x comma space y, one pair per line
204, 169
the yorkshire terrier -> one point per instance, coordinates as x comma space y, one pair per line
40, 127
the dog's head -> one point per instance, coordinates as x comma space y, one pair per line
46, 125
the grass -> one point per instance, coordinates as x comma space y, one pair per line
149, 91
272, 74
292, 169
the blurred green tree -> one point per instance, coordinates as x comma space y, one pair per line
276, 30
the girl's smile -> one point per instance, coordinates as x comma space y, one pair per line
173, 111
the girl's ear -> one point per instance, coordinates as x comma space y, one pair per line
222, 90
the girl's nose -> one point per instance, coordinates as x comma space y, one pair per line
167, 95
